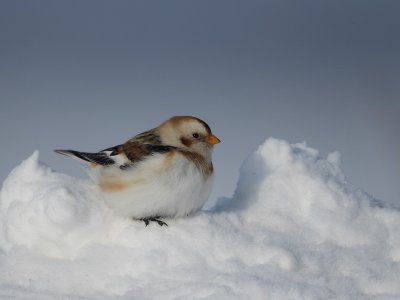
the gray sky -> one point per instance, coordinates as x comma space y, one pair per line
87, 75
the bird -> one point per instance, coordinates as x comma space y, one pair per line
165, 172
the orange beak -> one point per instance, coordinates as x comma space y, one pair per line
212, 140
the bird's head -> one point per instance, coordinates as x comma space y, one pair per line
189, 133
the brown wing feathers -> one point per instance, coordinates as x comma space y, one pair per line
135, 151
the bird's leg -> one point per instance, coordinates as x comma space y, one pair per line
154, 219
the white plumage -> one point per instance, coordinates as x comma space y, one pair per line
154, 189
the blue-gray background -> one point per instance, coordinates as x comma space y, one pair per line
90, 74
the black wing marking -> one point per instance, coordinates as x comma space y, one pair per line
158, 148
100, 158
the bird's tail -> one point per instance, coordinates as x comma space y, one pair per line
100, 158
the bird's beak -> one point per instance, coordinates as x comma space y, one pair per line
212, 140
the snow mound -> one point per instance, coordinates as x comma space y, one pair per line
294, 229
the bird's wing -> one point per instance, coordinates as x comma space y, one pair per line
125, 155
140, 147
122, 156
136, 152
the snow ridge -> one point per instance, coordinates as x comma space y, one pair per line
294, 229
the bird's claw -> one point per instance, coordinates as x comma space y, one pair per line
154, 219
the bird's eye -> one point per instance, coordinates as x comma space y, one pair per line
196, 135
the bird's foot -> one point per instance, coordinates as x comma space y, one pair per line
154, 219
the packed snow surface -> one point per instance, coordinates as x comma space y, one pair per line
294, 229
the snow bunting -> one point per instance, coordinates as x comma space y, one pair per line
165, 172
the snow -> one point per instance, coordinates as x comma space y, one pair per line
294, 229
